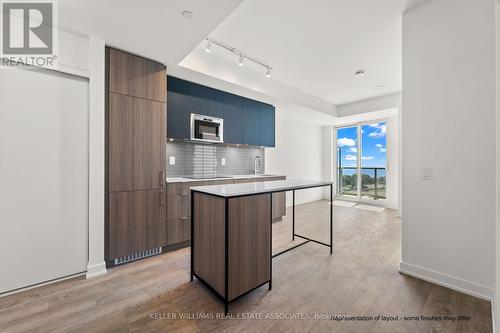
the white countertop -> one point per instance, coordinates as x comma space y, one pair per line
234, 190
185, 179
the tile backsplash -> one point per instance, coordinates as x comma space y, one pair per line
205, 160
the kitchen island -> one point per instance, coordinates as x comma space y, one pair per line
231, 228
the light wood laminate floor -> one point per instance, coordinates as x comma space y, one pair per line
360, 278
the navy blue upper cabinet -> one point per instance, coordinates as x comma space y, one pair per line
179, 106
251, 122
245, 121
233, 119
267, 125
199, 99
215, 103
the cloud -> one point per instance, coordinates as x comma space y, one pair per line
346, 142
367, 158
353, 150
380, 131
350, 157
381, 147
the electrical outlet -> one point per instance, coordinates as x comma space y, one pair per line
223, 161
171, 160
427, 173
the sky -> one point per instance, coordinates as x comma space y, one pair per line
373, 145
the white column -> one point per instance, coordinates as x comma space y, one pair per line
96, 265
328, 159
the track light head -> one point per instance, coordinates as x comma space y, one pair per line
208, 48
268, 72
240, 61
359, 74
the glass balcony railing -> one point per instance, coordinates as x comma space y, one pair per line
373, 182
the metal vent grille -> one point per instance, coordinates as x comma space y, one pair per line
138, 255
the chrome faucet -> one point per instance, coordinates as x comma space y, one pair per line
256, 164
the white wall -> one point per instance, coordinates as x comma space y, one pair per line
369, 105
496, 307
448, 124
96, 265
393, 185
329, 159
299, 148
73, 53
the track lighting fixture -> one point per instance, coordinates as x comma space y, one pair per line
241, 56
268, 72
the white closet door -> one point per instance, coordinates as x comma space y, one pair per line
44, 135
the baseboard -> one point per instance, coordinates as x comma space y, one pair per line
452, 282
96, 270
377, 203
304, 201
493, 316
175, 247
41, 284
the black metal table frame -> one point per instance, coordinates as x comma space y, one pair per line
225, 299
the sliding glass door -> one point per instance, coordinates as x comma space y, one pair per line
347, 156
361, 161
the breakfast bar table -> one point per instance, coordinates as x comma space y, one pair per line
231, 234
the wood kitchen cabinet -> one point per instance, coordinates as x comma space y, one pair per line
235, 260
137, 137
179, 210
136, 76
178, 230
279, 206
178, 201
179, 205
136, 221
279, 198
136, 120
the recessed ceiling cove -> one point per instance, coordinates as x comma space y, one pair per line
314, 46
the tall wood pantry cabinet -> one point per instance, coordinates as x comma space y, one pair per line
135, 155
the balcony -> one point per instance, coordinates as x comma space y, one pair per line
373, 182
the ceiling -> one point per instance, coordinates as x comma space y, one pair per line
313, 46
152, 28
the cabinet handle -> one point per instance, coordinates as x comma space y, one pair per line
162, 197
162, 178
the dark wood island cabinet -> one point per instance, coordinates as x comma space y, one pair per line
232, 234
179, 206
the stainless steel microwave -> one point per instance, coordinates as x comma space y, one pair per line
205, 128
